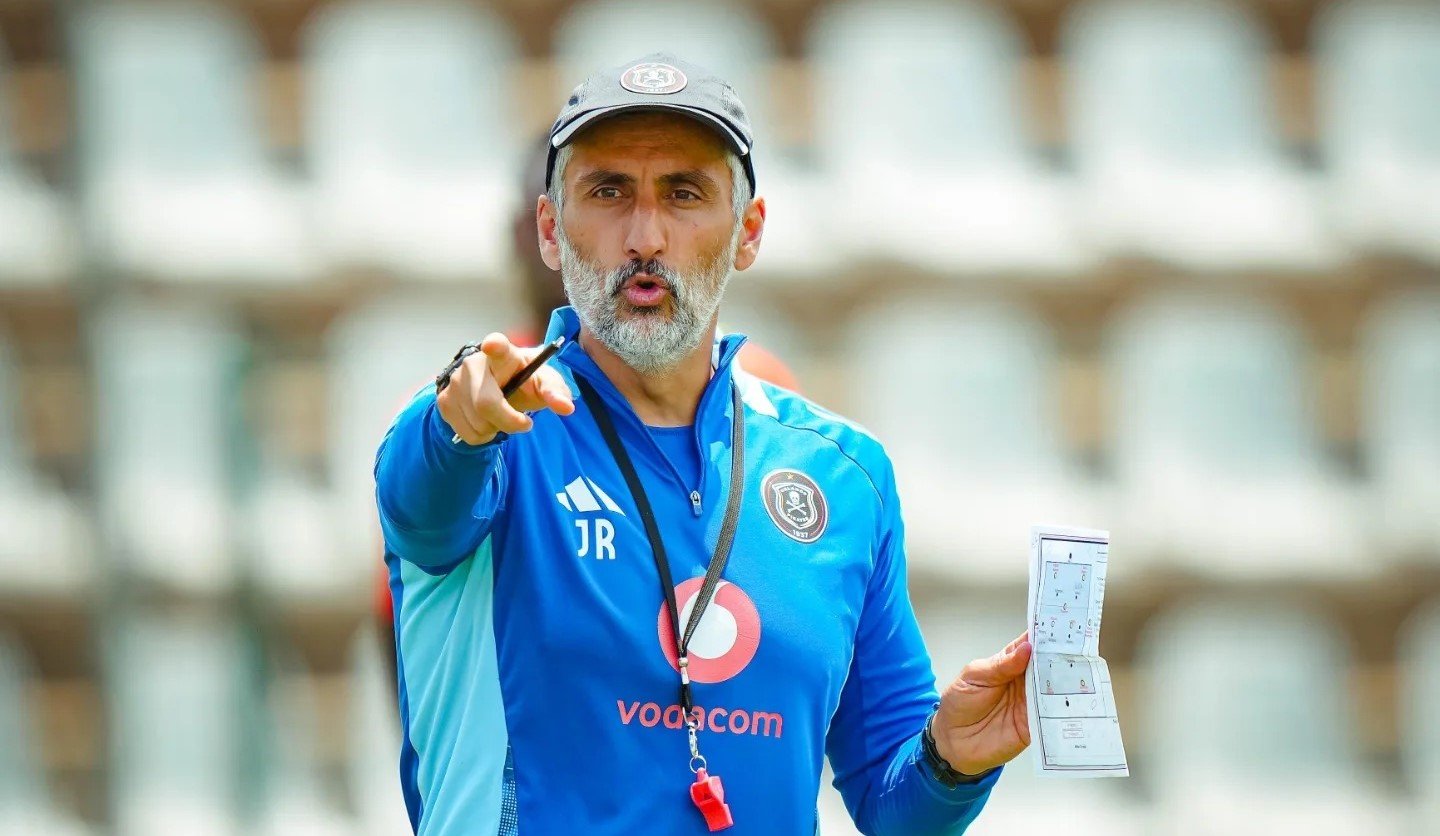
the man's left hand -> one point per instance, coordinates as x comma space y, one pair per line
982, 722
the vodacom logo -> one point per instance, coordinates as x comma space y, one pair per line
726, 638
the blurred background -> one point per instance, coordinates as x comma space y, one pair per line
1166, 268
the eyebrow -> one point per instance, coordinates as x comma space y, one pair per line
603, 177
693, 176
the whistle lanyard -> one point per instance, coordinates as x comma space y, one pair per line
718, 559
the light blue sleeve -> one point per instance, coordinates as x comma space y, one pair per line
436, 499
874, 738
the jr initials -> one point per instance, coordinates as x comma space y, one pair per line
604, 538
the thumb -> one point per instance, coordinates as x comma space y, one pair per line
1001, 668
503, 358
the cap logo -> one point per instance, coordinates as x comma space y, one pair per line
653, 78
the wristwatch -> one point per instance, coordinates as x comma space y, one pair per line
938, 766
443, 378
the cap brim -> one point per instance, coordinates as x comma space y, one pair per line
568, 132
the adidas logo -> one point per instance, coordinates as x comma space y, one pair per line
597, 534
584, 495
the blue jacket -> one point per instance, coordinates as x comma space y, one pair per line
538, 691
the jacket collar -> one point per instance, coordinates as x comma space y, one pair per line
565, 322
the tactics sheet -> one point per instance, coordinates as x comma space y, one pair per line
1074, 728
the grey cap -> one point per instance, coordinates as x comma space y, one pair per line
658, 81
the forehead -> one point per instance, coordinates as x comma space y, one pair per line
648, 137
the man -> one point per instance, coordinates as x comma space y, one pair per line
543, 292
649, 593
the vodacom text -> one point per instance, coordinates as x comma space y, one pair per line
716, 720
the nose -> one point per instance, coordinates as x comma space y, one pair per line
645, 234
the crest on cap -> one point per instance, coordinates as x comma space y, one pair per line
653, 77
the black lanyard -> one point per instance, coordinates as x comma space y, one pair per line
652, 532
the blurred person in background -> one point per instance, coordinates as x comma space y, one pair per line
543, 292
545, 686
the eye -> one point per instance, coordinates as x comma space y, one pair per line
684, 195
606, 193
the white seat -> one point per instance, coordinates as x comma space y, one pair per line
419, 335
175, 183
1174, 137
1400, 423
920, 133
27, 805
176, 749
735, 44
166, 379
1419, 666
37, 243
294, 802
1217, 456
47, 538
1247, 724
291, 533
1378, 74
373, 770
982, 461
408, 134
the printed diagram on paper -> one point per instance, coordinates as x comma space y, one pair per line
1074, 728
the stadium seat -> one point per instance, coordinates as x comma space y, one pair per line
290, 534
175, 695
47, 537
26, 802
374, 732
1378, 79
1399, 356
982, 462
922, 138
1419, 667
420, 335
1174, 139
1247, 726
411, 139
728, 40
1217, 456
37, 244
295, 803
166, 380
175, 183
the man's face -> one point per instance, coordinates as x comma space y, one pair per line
648, 235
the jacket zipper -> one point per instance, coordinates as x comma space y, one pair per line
696, 501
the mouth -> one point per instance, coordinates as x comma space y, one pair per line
645, 290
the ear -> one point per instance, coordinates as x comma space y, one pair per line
546, 222
754, 226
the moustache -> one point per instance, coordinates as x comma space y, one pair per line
653, 267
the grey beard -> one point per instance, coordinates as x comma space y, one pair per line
647, 341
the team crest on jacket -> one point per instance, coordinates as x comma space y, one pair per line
796, 505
